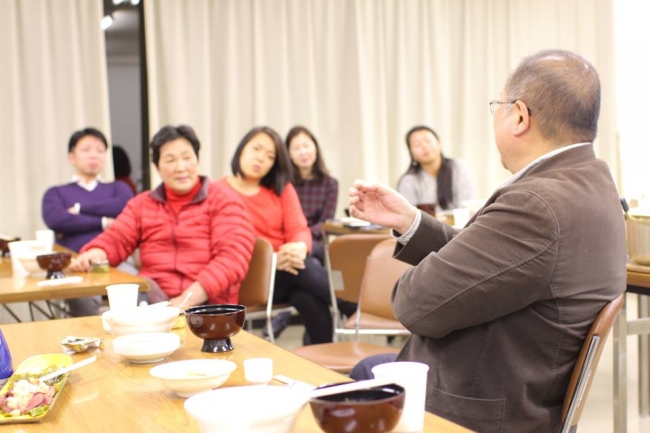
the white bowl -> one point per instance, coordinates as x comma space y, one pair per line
25, 253
106, 316
128, 330
192, 376
30, 263
273, 409
140, 319
146, 348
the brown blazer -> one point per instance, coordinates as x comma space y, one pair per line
500, 309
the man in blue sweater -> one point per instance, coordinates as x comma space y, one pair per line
82, 209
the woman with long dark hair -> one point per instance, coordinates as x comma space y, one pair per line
431, 177
261, 174
317, 190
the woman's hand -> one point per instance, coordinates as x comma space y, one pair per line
291, 257
379, 204
84, 261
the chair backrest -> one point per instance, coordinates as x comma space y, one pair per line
261, 274
381, 273
585, 368
346, 261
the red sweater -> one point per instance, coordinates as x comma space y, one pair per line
278, 219
210, 241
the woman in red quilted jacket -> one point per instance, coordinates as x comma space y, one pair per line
193, 234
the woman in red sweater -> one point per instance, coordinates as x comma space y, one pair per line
193, 234
261, 175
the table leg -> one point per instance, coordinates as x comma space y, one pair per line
620, 371
10, 311
644, 359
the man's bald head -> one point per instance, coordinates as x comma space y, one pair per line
562, 91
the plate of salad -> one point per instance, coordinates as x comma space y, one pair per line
24, 398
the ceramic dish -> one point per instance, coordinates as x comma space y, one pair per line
267, 408
192, 376
140, 319
146, 348
33, 368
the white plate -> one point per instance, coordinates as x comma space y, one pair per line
191, 376
147, 347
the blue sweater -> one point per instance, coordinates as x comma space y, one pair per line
74, 231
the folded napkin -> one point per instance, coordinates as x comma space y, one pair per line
60, 281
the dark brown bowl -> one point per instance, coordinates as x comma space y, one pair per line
4, 244
215, 324
429, 208
54, 263
371, 410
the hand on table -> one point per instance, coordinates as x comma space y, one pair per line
379, 204
84, 261
291, 257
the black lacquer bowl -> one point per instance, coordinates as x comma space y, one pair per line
371, 410
54, 264
215, 324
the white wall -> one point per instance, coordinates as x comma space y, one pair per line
126, 119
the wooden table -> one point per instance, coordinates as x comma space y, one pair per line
112, 395
638, 282
26, 290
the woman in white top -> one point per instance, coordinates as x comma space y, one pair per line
431, 177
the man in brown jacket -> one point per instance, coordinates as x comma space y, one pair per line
499, 310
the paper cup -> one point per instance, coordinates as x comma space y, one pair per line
122, 296
461, 216
413, 377
46, 237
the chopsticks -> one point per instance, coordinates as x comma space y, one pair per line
351, 386
64, 370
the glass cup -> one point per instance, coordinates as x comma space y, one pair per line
413, 377
122, 296
258, 370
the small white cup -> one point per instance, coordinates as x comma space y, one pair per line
461, 216
413, 377
258, 370
46, 237
122, 296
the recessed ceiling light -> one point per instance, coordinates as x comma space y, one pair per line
107, 21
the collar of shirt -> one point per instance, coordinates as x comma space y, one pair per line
515, 177
88, 186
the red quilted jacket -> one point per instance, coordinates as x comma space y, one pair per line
210, 240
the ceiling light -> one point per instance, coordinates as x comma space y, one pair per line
107, 21
135, 2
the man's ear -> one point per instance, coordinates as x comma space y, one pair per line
523, 117
70, 157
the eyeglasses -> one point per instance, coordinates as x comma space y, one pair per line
493, 106
494, 103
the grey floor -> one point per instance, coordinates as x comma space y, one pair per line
597, 416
